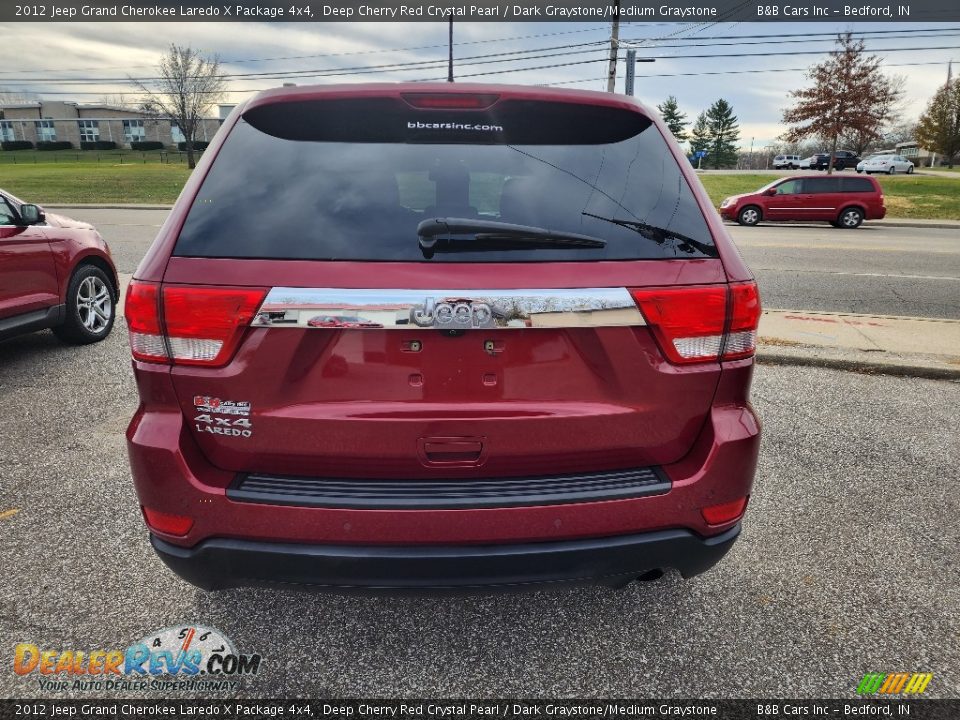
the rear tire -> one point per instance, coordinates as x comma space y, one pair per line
91, 308
891, 170
749, 216
910, 170
850, 218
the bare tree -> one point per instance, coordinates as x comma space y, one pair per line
189, 85
939, 125
118, 100
867, 135
849, 95
900, 132
12, 97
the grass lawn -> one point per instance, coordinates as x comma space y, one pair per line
906, 196
84, 182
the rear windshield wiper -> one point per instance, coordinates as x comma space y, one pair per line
438, 235
660, 235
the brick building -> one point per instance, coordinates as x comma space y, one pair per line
58, 120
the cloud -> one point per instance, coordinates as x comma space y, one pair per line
114, 51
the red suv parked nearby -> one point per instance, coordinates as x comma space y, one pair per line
844, 202
550, 382
54, 273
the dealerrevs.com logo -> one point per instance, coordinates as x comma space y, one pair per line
190, 657
453, 126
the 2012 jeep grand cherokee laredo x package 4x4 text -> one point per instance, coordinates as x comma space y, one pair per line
442, 336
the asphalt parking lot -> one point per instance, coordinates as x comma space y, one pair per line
847, 564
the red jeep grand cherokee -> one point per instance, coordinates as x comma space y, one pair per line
550, 383
844, 202
55, 273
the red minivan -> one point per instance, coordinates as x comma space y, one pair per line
844, 202
550, 380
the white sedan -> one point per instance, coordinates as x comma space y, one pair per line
889, 164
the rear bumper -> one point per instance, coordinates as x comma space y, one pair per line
221, 563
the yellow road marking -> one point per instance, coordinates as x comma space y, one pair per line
8, 513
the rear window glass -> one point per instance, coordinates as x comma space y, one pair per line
821, 185
856, 185
352, 180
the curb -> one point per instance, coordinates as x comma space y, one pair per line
918, 223
114, 206
927, 372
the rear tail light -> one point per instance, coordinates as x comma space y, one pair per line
166, 523
141, 310
724, 513
701, 323
186, 324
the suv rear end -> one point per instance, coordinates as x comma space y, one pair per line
438, 336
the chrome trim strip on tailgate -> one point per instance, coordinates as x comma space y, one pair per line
348, 308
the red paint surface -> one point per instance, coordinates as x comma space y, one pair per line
355, 403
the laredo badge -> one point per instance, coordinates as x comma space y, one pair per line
222, 417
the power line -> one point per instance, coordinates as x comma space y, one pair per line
347, 53
276, 74
687, 57
729, 72
489, 58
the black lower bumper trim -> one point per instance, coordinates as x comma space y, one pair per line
222, 563
449, 494
32, 321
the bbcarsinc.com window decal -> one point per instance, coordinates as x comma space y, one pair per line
453, 126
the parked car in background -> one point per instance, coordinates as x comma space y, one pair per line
559, 391
842, 160
54, 273
867, 158
889, 164
805, 163
789, 162
844, 202
341, 321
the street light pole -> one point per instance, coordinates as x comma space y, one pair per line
631, 73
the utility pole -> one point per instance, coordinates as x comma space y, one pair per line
614, 48
450, 58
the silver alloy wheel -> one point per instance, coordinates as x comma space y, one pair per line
850, 219
750, 216
94, 304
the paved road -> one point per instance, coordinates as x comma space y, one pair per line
874, 270
847, 563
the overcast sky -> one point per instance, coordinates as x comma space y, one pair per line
39, 58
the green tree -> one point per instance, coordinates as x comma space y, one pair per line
849, 95
939, 126
700, 135
724, 133
675, 120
